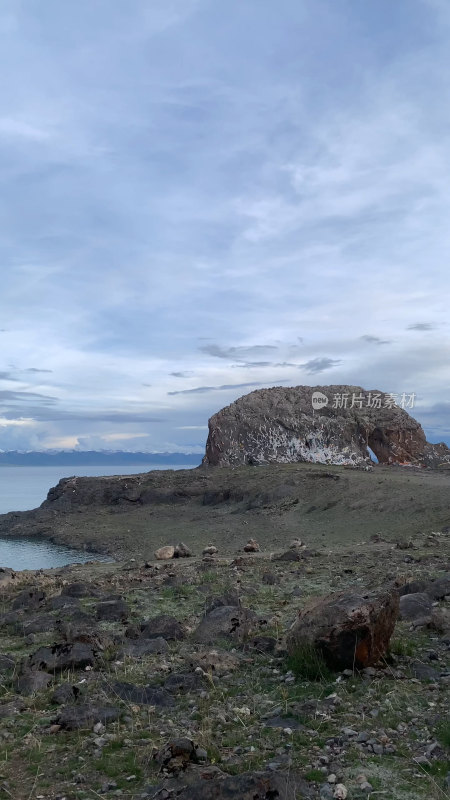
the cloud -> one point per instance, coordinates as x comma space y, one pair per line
225, 387
235, 353
174, 182
421, 326
320, 364
374, 339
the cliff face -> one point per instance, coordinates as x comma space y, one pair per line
322, 424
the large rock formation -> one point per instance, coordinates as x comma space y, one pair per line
323, 424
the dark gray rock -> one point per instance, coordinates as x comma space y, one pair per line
63, 601
184, 682
85, 715
33, 681
144, 647
230, 598
423, 672
273, 785
76, 655
66, 693
415, 606
30, 599
112, 611
163, 625
80, 589
142, 695
7, 663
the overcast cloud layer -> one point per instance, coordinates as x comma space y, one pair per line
202, 198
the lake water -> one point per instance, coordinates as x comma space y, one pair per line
39, 554
23, 488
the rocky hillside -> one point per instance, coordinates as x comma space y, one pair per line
307, 674
321, 424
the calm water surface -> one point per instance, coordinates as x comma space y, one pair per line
23, 488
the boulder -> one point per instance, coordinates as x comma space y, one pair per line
65, 693
7, 663
85, 715
183, 682
415, 606
80, 589
29, 599
7, 576
165, 553
163, 625
230, 622
349, 629
142, 695
32, 681
145, 647
182, 551
76, 655
112, 611
281, 425
252, 546
210, 550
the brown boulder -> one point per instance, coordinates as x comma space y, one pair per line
349, 629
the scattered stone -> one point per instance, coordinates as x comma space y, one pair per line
349, 629
269, 578
340, 792
252, 546
214, 662
211, 550
165, 553
227, 621
182, 551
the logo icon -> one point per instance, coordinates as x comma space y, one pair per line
319, 400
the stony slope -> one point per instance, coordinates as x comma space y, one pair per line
133, 515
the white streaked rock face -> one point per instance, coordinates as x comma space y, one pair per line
283, 425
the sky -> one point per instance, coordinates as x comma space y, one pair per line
199, 199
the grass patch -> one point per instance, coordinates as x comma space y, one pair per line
307, 663
443, 733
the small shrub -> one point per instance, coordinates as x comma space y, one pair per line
307, 663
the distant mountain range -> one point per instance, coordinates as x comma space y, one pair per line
62, 458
